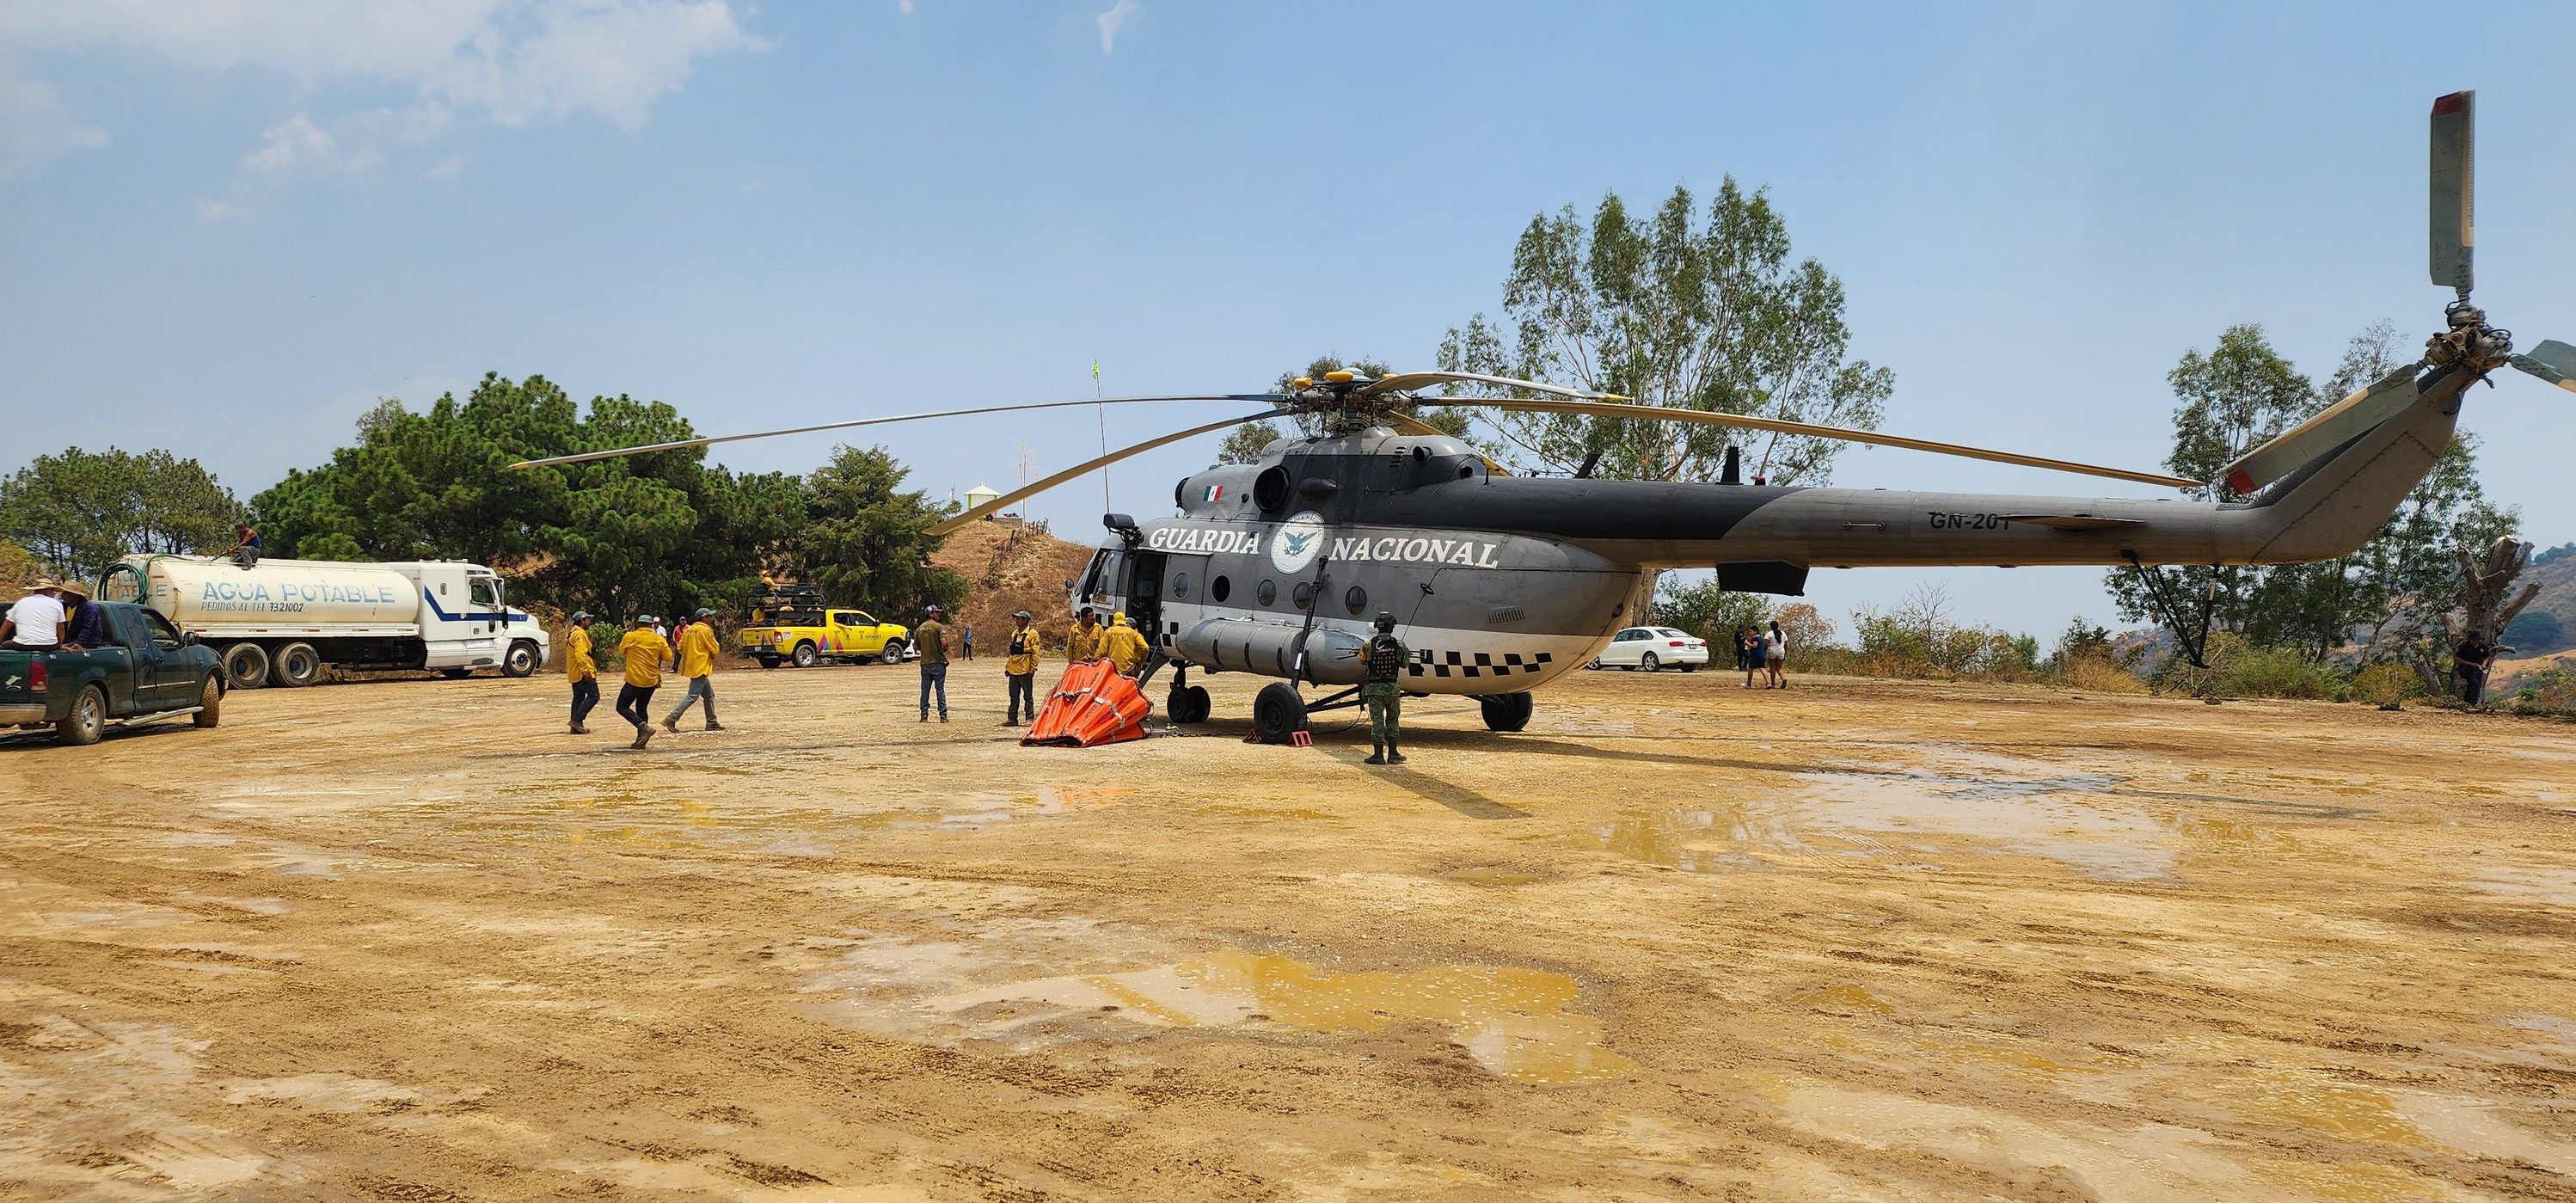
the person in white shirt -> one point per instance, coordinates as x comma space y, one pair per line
1775, 652
36, 622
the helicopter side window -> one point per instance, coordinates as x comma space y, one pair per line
1304, 595
1356, 599
1218, 588
1180, 585
1268, 592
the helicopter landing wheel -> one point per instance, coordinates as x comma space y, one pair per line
1507, 711
1187, 705
1277, 712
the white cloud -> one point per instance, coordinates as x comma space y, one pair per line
215, 210
905, 5
1115, 19
34, 125
512, 61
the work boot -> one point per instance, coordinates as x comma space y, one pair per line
1377, 754
578, 729
925, 716
643, 736
943, 716
1393, 756
713, 725
671, 725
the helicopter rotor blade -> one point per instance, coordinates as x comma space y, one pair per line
586, 456
2454, 168
1405, 382
1653, 413
2552, 361
1029, 490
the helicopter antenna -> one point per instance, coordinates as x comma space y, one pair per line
1101, 408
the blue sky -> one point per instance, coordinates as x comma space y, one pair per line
227, 228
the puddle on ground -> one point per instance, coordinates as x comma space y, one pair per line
2554, 886
1856, 810
1512, 1020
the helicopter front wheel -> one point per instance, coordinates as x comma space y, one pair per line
1507, 711
1278, 712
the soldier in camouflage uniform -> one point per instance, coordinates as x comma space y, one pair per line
1385, 658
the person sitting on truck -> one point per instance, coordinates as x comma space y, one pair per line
645, 654
581, 669
246, 552
697, 654
35, 623
84, 623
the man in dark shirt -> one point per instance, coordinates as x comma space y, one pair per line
2469, 663
246, 552
932, 638
84, 623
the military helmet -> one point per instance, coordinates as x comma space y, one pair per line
1386, 620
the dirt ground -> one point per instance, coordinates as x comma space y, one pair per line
410, 940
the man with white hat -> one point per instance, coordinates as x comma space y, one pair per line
35, 624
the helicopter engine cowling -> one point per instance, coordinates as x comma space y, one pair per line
1270, 648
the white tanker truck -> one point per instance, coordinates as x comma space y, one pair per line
279, 622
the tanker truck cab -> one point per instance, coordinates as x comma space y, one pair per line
466, 621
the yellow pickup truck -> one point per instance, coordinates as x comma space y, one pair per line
804, 637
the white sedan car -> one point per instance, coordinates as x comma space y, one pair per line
1653, 649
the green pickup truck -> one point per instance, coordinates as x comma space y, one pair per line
146, 670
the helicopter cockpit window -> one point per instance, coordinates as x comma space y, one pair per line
1304, 595
1268, 592
1356, 600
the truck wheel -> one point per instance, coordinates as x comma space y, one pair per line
804, 656
521, 661
246, 665
894, 651
210, 703
295, 665
87, 721
769, 661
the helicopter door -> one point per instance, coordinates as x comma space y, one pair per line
1142, 583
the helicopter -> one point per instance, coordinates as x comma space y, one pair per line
1502, 584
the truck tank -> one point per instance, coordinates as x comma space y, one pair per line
285, 595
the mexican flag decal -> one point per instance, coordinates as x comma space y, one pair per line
1214, 493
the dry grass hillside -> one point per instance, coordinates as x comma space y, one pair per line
1009, 566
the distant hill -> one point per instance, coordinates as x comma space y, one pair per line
2532, 635
1011, 566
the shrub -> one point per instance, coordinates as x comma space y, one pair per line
2097, 674
2386, 685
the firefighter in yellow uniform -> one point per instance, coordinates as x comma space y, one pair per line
697, 655
1124, 646
645, 651
1083, 643
1020, 668
580, 669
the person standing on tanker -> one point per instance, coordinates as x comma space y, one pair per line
1084, 641
35, 623
245, 552
1384, 659
1775, 653
1020, 668
697, 657
932, 638
580, 669
645, 654
84, 623
1124, 646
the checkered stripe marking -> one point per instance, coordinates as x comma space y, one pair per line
1428, 663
